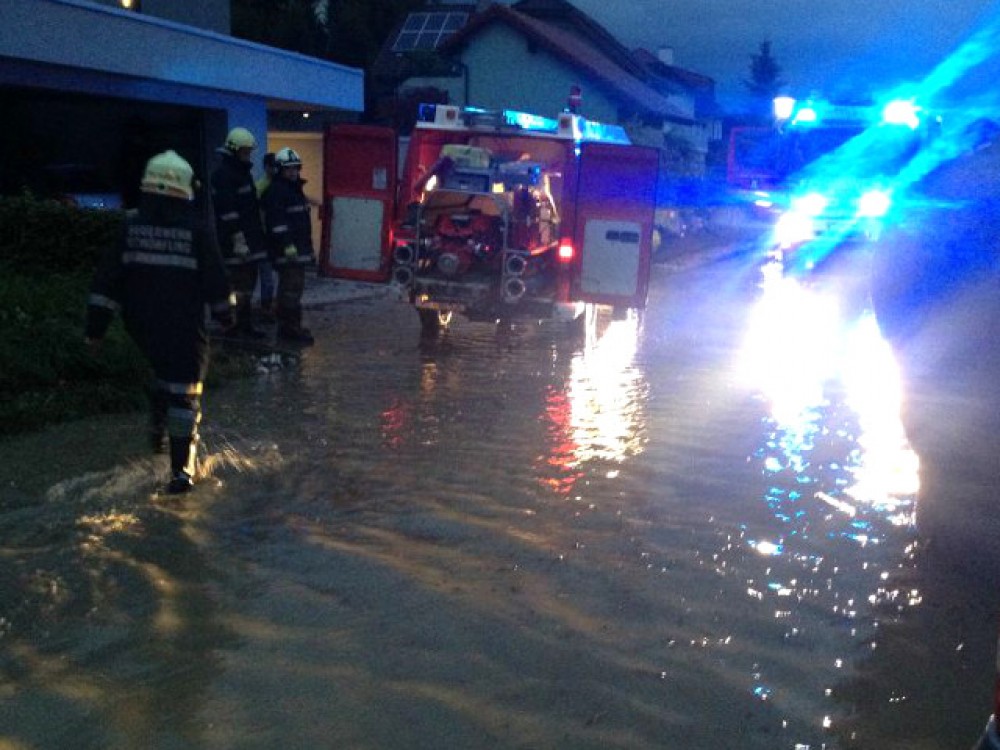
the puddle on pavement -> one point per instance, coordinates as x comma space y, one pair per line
682, 530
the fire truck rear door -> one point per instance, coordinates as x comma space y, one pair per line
359, 192
613, 231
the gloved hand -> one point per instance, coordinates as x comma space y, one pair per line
291, 251
240, 246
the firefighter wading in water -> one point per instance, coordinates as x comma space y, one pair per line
238, 223
289, 234
161, 275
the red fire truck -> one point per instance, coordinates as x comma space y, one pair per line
495, 215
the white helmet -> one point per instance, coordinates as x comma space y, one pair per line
168, 174
287, 157
240, 138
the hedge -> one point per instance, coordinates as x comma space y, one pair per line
48, 253
44, 237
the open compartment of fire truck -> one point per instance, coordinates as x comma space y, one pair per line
495, 215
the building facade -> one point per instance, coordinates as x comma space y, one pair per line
108, 86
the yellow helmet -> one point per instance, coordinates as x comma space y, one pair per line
168, 174
240, 138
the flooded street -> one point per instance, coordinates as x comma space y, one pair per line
693, 528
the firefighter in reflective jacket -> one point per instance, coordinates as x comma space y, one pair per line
161, 274
289, 234
238, 223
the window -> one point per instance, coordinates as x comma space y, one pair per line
426, 31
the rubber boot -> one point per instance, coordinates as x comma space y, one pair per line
266, 314
291, 328
244, 325
183, 460
296, 334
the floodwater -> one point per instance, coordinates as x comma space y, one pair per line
688, 529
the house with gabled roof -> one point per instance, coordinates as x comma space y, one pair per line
528, 56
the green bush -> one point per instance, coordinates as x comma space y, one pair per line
48, 253
42, 237
49, 373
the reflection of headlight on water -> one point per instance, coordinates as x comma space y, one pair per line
792, 228
798, 346
888, 467
789, 353
605, 393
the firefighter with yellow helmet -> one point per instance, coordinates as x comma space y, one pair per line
289, 235
238, 223
161, 275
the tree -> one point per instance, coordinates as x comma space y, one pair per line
765, 80
357, 29
287, 24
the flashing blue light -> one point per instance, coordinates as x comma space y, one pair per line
426, 112
874, 204
784, 107
806, 114
600, 132
901, 112
530, 122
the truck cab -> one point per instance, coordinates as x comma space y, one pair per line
492, 215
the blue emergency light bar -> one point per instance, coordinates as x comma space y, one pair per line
499, 118
567, 125
896, 112
530, 122
601, 132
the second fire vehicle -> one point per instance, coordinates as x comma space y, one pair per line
828, 172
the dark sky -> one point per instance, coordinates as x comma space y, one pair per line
837, 47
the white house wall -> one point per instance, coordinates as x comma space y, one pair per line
505, 74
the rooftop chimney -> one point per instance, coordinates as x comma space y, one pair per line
666, 55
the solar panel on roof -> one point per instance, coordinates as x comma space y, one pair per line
435, 21
426, 30
415, 22
427, 40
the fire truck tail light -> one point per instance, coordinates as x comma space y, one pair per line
566, 250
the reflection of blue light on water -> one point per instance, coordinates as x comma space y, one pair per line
766, 548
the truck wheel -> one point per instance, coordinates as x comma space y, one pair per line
433, 321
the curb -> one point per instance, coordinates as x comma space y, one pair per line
323, 291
